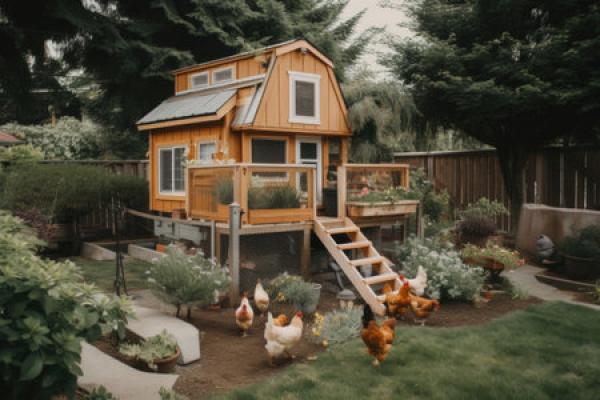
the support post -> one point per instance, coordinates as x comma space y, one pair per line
419, 222
234, 251
305, 257
341, 191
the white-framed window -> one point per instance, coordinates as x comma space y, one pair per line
171, 170
304, 98
308, 151
199, 80
223, 75
206, 150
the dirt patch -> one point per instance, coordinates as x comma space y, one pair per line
230, 361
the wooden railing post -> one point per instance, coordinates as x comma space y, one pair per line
234, 251
341, 191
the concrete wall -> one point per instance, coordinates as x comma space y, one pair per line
556, 223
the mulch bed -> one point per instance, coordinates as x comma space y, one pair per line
230, 361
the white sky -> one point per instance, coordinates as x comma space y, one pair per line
378, 16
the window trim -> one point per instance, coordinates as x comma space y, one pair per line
178, 193
214, 72
319, 159
192, 76
199, 143
315, 79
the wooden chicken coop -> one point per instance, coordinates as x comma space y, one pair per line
267, 131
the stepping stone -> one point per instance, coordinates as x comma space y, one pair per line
149, 322
120, 379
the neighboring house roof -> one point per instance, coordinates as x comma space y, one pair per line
193, 104
9, 140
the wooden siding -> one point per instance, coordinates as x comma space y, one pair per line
273, 112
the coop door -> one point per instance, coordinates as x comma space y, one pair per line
308, 151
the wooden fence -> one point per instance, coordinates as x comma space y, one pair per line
101, 217
556, 176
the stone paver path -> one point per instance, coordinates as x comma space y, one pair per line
149, 322
121, 380
524, 278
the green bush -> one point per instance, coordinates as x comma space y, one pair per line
20, 153
45, 312
276, 285
584, 243
65, 192
225, 191
301, 294
484, 208
273, 197
180, 279
447, 276
337, 326
157, 347
436, 204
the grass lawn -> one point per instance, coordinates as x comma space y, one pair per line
550, 351
102, 273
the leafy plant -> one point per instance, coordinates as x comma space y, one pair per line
277, 284
46, 311
301, 294
436, 204
391, 194
337, 326
584, 243
510, 259
273, 197
20, 153
155, 348
484, 208
169, 394
100, 393
180, 279
448, 276
475, 229
225, 191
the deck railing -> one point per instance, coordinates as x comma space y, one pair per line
354, 180
267, 193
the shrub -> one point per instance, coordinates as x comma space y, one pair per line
157, 347
100, 393
436, 204
484, 208
448, 277
225, 191
337, 326
179, 279
584, 243
277, 284
65, 192
301, 294
475, 229
46, 311
510, 259
273, 197
20, 153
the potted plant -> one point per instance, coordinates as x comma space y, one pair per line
157, 353
581, 252
493, 258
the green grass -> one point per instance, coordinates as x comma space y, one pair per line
102, 273
551, 351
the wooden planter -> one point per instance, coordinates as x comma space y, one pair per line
276, 215
380, 209
581, 268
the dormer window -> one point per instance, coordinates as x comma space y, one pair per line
304, 98
222, 75
199, 80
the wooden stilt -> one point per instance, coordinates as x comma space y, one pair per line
305, 257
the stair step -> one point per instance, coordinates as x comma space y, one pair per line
354, 245
345, 229
367, 261
374, 280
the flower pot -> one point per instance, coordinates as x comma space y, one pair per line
167, 365
581, 268
311, 307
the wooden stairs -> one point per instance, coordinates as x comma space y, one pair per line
352, 255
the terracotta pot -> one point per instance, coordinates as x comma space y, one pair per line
164, 366
581, 268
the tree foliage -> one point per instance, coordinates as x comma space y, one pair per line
514, 74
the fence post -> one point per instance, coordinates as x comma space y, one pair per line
234, 251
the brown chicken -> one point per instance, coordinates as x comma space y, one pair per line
377, 338
422, 307
397, 302
281, 320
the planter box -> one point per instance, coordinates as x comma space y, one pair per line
366, 209
276, 215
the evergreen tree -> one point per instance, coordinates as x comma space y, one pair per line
515, 74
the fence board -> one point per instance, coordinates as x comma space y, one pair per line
469, 175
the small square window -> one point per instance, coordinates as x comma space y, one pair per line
304, 98
199, 80
222, 75
206, 151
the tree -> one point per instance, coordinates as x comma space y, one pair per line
515, 74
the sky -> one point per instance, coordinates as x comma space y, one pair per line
377, 16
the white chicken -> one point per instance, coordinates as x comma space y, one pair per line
281, 339
419, 283
261, 298
244, 315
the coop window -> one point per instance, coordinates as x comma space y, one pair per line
304, 98
171, 170
199, 80
222, 75
269, 151
206, 150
